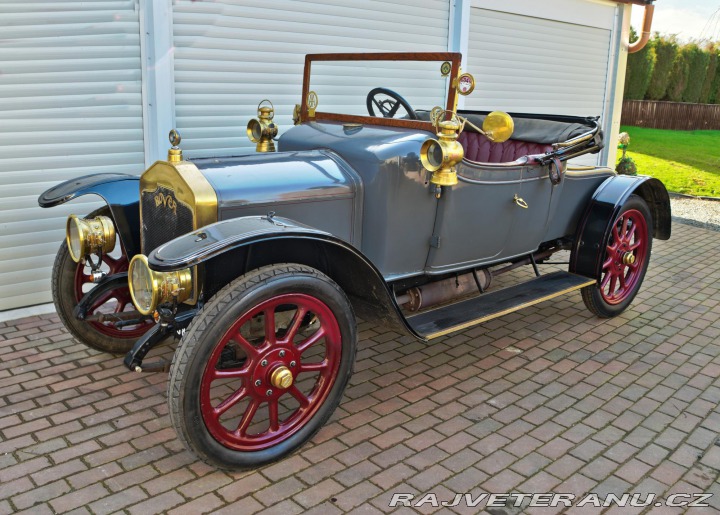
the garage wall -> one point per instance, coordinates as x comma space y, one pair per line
229, 55
553, 58
70, 105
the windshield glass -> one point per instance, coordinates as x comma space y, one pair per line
390, 88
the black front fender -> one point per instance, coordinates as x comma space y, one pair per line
234, 247
121, 192
594, 229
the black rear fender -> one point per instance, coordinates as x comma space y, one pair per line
121, 192
234, 247
594, 229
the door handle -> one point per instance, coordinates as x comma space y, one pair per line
520, 202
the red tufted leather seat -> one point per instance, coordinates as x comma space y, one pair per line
479, 148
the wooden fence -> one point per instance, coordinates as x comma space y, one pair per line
671, 115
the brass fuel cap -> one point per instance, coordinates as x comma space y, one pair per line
281, 377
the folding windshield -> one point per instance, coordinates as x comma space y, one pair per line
383, 89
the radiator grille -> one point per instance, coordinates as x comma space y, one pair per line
164, 218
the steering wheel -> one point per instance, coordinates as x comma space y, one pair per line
388, 107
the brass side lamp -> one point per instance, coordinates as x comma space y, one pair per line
262, 130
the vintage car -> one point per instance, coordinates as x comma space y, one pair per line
392, 205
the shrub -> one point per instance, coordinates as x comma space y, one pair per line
678, 78
666, 50
639, 71
707, 88
697, 60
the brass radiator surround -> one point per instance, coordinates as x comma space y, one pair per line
191, 188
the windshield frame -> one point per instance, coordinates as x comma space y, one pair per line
453, 57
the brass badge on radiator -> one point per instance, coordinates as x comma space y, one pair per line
167, 201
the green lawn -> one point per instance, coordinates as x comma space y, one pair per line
686, 161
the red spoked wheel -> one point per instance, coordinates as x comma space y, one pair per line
624, 262
115, 301
626, 254
271, 371
262, 367
71, 281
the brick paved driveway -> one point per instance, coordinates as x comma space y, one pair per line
549, 399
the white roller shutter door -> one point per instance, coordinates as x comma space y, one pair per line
526, 63
229, 55
70, 105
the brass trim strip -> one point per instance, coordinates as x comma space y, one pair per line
477, 321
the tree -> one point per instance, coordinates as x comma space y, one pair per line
639, 71
697, 60
706, 94
678, 78
666, 50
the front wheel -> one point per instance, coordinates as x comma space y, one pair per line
625, 261
263, 367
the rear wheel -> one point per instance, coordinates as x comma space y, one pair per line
625, 261
71, 282
262, 367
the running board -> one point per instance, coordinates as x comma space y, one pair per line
462, 315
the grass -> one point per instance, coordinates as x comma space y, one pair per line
685, 161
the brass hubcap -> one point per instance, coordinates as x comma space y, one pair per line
281, 377
628, 258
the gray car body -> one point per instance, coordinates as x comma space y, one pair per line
366, 186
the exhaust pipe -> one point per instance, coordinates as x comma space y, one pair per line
438, 292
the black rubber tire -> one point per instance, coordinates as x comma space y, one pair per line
211, 324
591, 295
63, 293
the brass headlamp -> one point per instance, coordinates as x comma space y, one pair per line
262, 130
89, 236
440, 156
149, 288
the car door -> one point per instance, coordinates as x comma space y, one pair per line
481, 220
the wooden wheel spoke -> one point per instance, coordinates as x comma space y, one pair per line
302, 347
605, 280
299, 396
269, 315
273, 416
295, 325
613, 285
230, 401
631, 232
314, 367
245, 345
230, 373
247, 417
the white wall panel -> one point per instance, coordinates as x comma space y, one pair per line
229, 55
70, 105
527, 64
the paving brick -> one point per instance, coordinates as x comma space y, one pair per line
318, 493
159, 504
79, 498
204, 504
242, 487
40, 494
115, 502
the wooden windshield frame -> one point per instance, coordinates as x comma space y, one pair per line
453, 57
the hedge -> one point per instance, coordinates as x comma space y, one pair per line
666, 70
